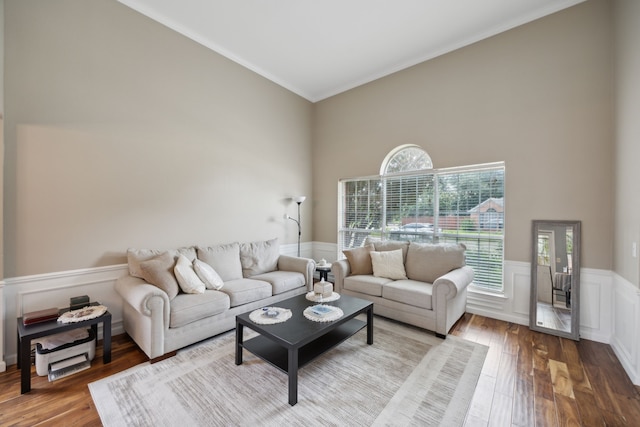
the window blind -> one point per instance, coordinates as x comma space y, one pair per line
461, 205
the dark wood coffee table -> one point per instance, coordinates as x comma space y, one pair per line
292, 344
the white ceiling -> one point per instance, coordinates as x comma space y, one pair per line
319, 48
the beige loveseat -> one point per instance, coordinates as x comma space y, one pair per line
178, 297
421, 284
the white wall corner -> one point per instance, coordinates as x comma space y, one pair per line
626, 326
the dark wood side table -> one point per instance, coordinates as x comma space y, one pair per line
324, 271
38, 330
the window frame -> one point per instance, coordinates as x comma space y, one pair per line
492, 241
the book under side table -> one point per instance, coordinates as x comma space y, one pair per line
39, 330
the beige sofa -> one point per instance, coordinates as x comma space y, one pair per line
421, 284
175, 298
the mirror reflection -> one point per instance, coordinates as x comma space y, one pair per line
555, 278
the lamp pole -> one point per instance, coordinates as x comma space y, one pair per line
298, 200
299, 227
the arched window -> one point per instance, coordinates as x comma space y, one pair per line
406, 158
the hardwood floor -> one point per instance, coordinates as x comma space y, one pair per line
535, 379
528, 379
65, 402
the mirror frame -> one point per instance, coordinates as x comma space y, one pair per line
574, 333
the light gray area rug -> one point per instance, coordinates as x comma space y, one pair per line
407, 377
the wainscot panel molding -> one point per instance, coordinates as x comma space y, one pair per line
3, 365
328, 251
513, 304
37, 292
626, 326
306, 249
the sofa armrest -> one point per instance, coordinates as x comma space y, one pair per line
450, 297
145, 298
452, 283
305, 266
340, 270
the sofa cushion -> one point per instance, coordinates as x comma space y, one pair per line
208, 275
390, 245
282, 281
359, 259
159, 272
187, 308
369, 285
259, 257
187, 278
426, 262
136, 256
388, 264
225, 259
410, 292
243, 291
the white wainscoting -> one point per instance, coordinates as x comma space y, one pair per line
595, 300
3, 365
626, 326
602, 295
37, 292
30, 293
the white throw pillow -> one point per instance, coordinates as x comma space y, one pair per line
188, 280
208, 275
388, 264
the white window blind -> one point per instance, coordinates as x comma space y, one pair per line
461, 205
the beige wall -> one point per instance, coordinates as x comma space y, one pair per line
1, 136
626, 168
537, 97
120, 132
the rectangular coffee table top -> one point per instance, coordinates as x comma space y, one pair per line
298, 330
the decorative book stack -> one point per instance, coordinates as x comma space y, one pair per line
40, 316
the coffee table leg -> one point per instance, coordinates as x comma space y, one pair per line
239, 328
370, 326
293, 376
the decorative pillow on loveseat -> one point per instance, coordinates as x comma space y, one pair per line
390, 245
426, 262
388, 264
360, 260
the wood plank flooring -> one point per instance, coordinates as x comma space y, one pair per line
535, 379
528, 379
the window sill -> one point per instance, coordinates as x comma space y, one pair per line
477, 290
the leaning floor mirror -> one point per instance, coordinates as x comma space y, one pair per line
555, 278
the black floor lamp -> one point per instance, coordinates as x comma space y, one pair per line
298, 200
